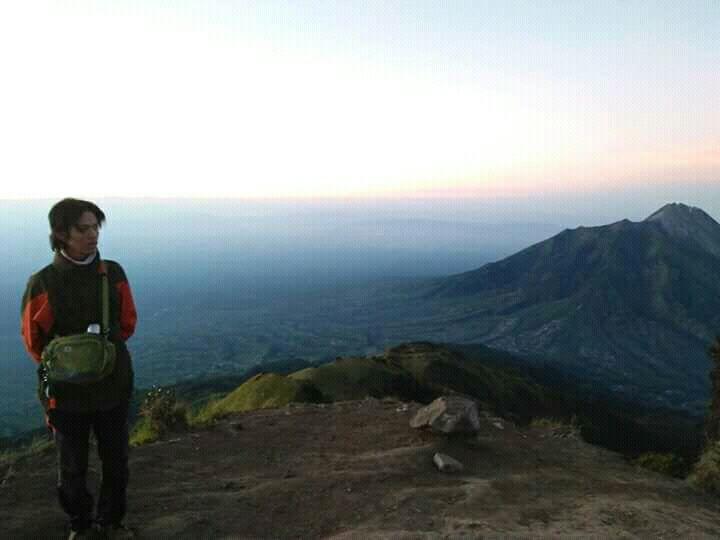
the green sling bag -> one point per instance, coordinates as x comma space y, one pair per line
83, 358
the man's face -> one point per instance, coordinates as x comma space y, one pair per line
82, 240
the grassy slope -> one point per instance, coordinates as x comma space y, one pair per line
265, 390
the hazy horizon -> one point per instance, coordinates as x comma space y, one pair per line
568, 210
241, 256
223, 255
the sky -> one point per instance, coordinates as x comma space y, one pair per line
553, 102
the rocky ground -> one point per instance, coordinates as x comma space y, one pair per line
357, 470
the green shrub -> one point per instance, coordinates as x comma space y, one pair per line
664, 463
706, 472
160, 413
142, 433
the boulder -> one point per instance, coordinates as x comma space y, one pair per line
449, 414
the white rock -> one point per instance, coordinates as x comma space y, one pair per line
449, 414
447, 464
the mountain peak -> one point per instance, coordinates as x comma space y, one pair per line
689, 223
674, 211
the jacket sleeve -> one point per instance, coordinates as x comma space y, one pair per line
36, 319
128, 313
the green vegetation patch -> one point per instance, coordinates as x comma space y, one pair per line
356, 378
142, 433
664, 463
264, 391
161, 413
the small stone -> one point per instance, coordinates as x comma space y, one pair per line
446, 463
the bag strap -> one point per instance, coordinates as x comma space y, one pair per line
105, 300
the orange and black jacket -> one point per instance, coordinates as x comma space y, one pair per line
63, 299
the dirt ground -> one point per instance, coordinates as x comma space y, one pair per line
356, 470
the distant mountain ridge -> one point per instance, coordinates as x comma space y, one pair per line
633, 305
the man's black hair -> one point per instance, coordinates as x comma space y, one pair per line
65, 214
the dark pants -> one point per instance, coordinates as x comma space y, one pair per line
72, 433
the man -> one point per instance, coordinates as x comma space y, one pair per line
63, 299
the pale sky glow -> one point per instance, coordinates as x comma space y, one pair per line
352, 99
